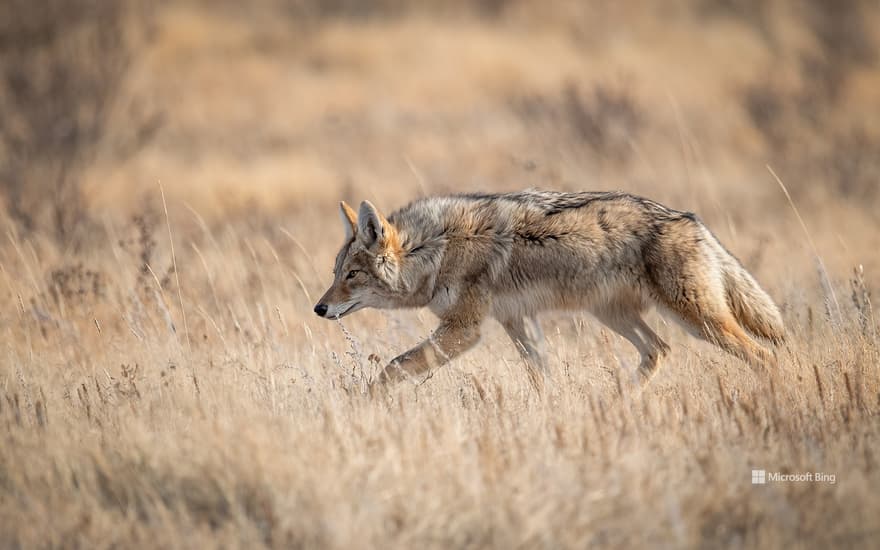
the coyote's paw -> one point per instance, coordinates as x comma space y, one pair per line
391, 374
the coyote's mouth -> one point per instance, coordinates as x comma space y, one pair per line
346, 311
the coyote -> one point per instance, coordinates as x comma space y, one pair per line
511, 256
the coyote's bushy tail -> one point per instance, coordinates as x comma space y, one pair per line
751, 306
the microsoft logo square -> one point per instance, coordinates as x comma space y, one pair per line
759, 477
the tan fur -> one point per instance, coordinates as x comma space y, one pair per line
512, 256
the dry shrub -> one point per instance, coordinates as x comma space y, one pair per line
807, 128
62, 66
606, 119
360, 9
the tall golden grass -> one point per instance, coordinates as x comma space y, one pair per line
191, 399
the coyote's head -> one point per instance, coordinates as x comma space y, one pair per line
367, 269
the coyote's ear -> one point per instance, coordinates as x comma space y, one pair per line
349, 220
372, 227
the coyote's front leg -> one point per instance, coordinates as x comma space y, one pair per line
458, 332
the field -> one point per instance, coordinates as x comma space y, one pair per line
169, 176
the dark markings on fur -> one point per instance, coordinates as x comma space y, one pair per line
556, 202
536, 238
604, 224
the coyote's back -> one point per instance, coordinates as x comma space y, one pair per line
511, 256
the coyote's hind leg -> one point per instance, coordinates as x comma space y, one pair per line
527, 336
628, 323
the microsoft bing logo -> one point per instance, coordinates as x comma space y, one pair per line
759, 477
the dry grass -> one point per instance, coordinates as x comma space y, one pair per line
119, 429
246, 424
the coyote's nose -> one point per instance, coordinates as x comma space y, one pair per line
321, 310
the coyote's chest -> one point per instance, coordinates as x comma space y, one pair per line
444, 298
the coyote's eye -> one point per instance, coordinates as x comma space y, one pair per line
352, 274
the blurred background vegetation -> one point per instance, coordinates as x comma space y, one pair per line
273, 110
184, 394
